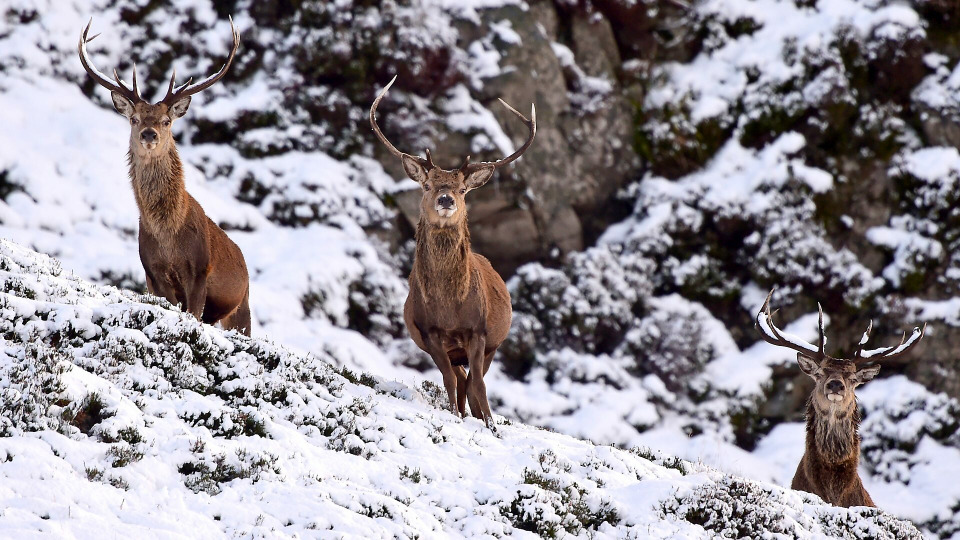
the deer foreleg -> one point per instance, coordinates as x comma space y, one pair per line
475, 384
435, 350
161, 287
461, 389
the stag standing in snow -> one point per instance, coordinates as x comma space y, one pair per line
828, 467
187, 258
458, 310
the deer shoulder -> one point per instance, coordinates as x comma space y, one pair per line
186, 257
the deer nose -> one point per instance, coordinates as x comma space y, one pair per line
445, 201
148, 135
834, 386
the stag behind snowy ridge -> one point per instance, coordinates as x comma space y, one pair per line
831, 455
187, 258
458, 310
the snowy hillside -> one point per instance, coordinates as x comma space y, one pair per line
126, 416
686, 161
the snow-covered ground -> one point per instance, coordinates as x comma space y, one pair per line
132, 419
62, 158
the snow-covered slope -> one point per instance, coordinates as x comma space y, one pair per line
604, 338
121, 414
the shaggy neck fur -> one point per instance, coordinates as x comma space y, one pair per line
160, 192
832, 435
442, 260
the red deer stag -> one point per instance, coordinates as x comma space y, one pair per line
458, 309
828, 467
187, 258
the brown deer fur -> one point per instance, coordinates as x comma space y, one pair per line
831, 454
458, 310
187, 258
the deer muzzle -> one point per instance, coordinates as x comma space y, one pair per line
834, 390
148, 138
446, 206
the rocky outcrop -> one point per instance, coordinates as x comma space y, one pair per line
562, 189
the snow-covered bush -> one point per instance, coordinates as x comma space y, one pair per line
897, 423
368, 298
549, 503
669, 343
30, 386
586, 305
735, 508
924, 236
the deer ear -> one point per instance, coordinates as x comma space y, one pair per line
179, 108
123, 105
414, 169
865, 374
478, 177
808, 365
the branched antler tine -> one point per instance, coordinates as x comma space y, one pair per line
126, 89
823, 335
173, 82
96, 74
773, 329
531, 125
136, 88
189, 90
772, 335
184, 85
373, 119
888, 353
863, 340
427, 163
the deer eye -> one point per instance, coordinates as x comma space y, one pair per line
463, 191
426, 187
166, 122
134, 120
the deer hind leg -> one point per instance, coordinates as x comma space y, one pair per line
475, 409
239, 320
474, 403
475, 384
197, 298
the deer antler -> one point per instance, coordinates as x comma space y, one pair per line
888, 353
773, 335
425, 163
467, 167
132, 94
175, 93
531, 124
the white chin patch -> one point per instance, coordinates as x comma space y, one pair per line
446, 212
836, 398
148, 146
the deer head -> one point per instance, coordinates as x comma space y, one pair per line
444, 190
836, 378
150, 133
